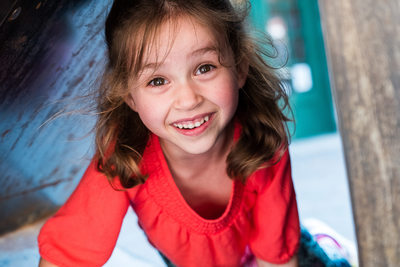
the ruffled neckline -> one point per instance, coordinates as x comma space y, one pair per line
161, 186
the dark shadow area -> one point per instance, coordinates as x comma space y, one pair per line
51, 52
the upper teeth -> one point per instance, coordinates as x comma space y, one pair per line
191, 125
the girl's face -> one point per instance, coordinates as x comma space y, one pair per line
183, 93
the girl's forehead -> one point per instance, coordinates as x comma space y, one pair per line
181, 34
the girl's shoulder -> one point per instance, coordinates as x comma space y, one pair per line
279, 172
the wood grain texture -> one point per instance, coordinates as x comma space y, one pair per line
50, 55
362, 38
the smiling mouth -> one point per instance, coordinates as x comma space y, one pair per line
188, 125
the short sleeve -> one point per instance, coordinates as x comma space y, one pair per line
85, 229
276, 232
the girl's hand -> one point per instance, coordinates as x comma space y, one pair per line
292, 263
44, 263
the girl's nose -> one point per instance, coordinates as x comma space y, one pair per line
187, 97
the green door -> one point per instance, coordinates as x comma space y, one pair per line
296, 23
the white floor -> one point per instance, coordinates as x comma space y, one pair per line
319, 175
322, 192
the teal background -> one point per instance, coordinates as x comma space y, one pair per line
313, 110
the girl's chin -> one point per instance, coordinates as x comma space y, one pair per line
188, 148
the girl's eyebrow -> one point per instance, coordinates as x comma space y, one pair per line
152, 66
204, 50
197, 52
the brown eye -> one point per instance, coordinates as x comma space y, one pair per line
204, 69
157, 82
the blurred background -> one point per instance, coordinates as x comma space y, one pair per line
52, 52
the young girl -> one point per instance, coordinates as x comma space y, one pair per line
190, 134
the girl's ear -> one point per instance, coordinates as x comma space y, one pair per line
130, 102
242, 71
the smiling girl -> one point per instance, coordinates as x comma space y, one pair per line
190, 134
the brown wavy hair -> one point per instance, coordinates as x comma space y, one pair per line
130, 29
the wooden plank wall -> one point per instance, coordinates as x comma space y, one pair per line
362, 39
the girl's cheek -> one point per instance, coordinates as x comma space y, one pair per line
153, 107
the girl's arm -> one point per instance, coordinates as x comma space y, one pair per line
85, 229
276, 230
292, 263
44, 263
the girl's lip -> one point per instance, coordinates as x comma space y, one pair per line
196, 131
188, 120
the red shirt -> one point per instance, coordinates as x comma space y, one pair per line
261, 215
